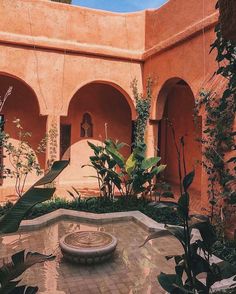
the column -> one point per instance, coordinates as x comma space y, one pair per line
53, 141
151, 138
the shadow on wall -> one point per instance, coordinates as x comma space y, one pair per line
109, 115
179, 109
79, 154
22, 104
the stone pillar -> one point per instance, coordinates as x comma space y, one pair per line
151, 138
53, 142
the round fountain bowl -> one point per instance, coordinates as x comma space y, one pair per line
86, 247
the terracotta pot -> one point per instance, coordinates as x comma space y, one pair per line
228, 19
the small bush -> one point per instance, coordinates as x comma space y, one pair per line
226, 251
103, 205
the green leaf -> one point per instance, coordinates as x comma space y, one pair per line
24, 290
199, 264
76, 191
188, 179
9, 288
96, 149
21, 261
226, 270
170, 282
232, 159
130, 164
167, 194
156, 235
207, 233
201, 287
196, 218
178, 233
121, 145
159, 169
183, 203
56, 169
149, 162
164, 204
119, 159
10, 222
179, 269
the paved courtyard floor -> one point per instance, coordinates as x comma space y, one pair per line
132, 270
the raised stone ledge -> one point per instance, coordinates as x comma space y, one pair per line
64, 214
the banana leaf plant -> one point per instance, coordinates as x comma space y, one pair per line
10, 223
132, 176
196, 257
104, 165
19, 263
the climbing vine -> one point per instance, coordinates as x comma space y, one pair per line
52, 137
218, 138
143, 105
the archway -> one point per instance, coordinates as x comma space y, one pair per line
97, 111
176, 106
22, 104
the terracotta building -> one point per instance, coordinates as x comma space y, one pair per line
71, 69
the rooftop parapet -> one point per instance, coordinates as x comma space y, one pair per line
44, 22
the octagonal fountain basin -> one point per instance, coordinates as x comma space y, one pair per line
88, 247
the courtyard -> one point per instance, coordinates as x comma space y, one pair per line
117, 148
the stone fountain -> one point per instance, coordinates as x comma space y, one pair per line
88, 247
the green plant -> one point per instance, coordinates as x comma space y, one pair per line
131, 177
75, 194
197, 250
10, 222
218, 139
143, 105
225, 250
20, 262
101, 205
104, 165
52, 137
196, 257
136, 174
22, 158
161, 189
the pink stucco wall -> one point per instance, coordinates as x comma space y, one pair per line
56, 50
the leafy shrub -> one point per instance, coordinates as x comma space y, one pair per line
225, 250
131, 177
12, 215
196, 257
22, 158
103, 205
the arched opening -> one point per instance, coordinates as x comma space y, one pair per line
22, 104
176, 102
97, 111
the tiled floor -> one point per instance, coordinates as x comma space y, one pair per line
133, 269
